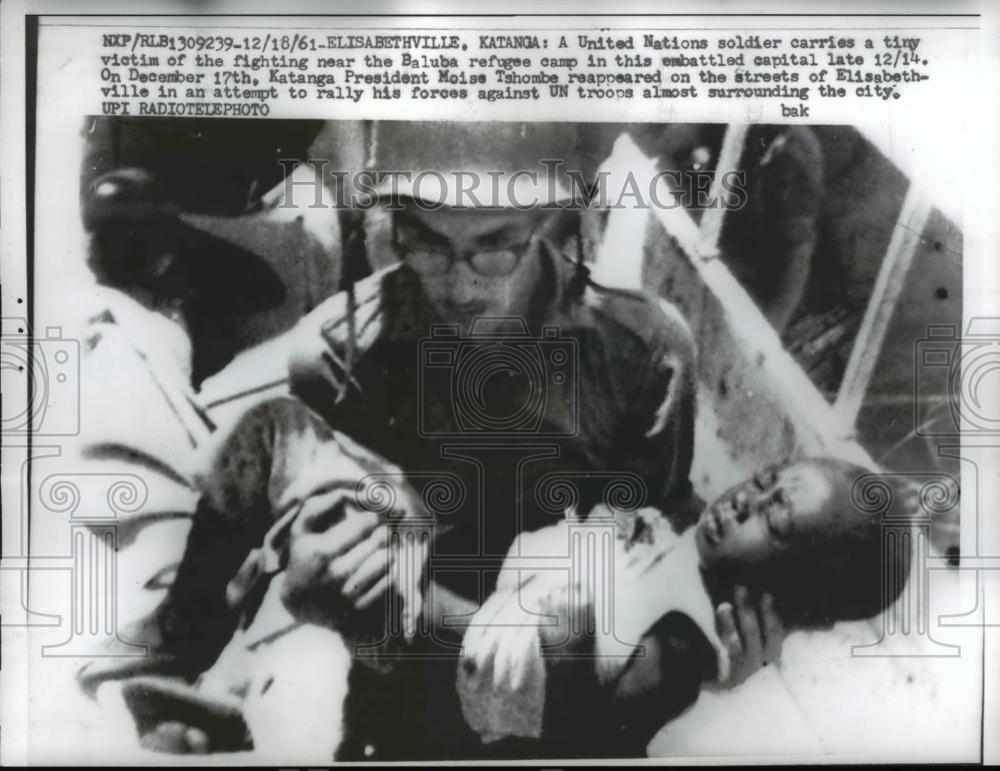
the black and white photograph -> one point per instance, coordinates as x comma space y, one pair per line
397, 439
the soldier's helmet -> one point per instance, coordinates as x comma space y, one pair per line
125, 198
133, 222
492, 165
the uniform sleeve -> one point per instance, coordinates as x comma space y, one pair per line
665, 681
658, 433
328, 342
317, 370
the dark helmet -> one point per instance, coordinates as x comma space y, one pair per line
517, 165
134, 224
125, 197
508, 164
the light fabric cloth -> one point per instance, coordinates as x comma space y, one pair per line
133, 464
139, 413
314, 469
608, 578
292, 680
290, 676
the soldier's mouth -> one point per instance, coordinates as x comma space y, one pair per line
467, 311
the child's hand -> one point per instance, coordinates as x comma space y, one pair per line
752, 641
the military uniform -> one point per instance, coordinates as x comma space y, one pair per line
588, 399
619, 429
624, 429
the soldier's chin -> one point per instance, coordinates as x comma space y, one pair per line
463, 315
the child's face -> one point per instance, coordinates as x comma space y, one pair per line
767, 515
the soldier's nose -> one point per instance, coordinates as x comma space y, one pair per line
462, 284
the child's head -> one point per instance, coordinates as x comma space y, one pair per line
793, 531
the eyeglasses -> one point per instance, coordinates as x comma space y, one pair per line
437, 261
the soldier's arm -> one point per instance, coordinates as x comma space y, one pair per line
658, 435
327, 343
661, 682
449, 612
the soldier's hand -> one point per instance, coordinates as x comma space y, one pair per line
339, 559
753, 639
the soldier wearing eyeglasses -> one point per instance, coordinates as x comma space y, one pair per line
484, 361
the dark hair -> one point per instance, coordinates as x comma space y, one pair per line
856, 572
126, 254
